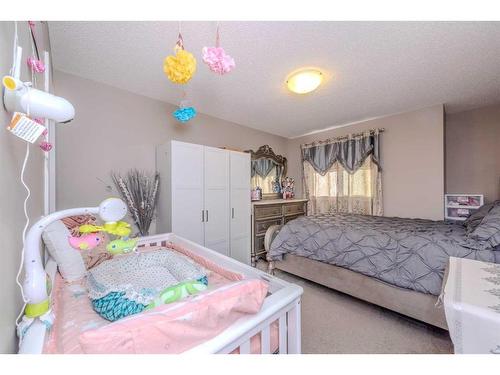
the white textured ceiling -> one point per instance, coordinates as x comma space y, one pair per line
372, 68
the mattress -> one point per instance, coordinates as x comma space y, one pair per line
171, 328
408, 253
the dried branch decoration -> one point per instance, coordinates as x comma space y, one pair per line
139, 190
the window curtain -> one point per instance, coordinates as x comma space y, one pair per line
344, 175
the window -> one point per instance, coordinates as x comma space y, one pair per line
340, 191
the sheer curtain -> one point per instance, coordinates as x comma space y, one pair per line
265, 183
344, 176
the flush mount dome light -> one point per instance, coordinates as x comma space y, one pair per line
304, 81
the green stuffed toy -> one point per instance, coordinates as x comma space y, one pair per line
177, 292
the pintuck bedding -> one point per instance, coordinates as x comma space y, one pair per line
408, 253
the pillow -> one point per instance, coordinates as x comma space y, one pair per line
489, 228
94, 257
474, 220
74, 222
69, 260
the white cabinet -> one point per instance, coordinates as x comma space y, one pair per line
216, 189
240, 206
205, 196
187, 191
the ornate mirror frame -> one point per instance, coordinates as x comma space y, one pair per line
266, 152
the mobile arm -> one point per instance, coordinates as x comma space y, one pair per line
35, 283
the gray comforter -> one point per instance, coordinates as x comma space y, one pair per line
409, 253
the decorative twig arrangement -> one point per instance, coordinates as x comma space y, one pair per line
139, 190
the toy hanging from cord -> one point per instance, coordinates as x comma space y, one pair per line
36, 65
216, 58
29, 106
121, 229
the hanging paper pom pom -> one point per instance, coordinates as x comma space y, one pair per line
180, 67
184, 114
45, 146
36, 65
217, 60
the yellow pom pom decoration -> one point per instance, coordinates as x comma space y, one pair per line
181, 67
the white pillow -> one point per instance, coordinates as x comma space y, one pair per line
69, 260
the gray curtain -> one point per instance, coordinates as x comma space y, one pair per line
351, 153
262, 167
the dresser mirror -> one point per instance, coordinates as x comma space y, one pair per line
268, 169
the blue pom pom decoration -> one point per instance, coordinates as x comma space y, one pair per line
184, 114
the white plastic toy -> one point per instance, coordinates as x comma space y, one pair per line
20, 96
110, 210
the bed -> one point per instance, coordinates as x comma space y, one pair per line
396, 263
275, 327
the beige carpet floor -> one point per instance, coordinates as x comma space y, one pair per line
333, 322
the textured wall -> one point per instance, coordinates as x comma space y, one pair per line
115, 130
12, 193
473, 152
412, 153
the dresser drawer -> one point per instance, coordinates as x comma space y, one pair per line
262, 212
291, 217
293, 208
262, 225
259, 244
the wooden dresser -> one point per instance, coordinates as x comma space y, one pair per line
269, 212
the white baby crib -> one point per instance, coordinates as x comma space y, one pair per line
282, 305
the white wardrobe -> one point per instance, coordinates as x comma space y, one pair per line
205, 196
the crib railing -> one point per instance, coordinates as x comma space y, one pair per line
280, 311
281, 306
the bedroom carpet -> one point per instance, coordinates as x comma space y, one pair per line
333, 322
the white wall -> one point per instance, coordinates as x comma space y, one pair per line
473, 152
412, 154
115, 130
12, 193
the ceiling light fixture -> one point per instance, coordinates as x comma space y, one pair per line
304, 81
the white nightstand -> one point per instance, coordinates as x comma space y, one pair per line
471, 299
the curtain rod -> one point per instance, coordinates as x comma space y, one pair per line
336, 139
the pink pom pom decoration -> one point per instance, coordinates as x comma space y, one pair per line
217, 60
39, 120
36, 65
45, 146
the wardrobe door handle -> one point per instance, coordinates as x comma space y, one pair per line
202, 216
207, 216
232, 209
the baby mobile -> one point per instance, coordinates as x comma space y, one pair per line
180, 68
37, 66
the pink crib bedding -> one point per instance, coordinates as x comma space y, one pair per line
171, 328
